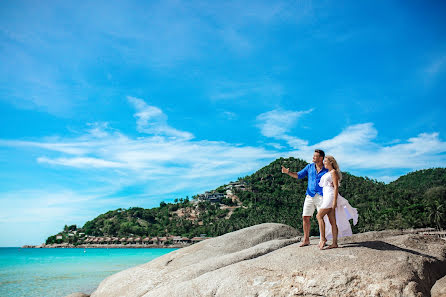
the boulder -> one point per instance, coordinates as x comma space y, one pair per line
439, 289
266, 260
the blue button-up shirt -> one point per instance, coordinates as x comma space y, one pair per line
313, 178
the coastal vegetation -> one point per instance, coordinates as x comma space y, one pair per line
415, 200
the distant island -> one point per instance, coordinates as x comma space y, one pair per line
415, 200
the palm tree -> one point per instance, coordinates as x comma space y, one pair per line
436, 215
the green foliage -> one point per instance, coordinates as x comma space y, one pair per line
415, 200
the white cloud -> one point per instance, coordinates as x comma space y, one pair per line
277, 146
162, 156
78, 148
356, 148
166, 160
229, 115
161, 164
81, 162
152, 120
278, 123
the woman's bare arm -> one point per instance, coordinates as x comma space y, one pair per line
335, 177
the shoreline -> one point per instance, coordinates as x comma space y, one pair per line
105, 246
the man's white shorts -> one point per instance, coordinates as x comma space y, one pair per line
310, 204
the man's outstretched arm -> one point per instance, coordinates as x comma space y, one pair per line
292, 174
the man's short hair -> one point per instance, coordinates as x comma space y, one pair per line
321, 153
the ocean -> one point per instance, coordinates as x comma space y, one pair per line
59, 272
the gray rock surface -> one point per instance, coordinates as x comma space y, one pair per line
265, 260
439, 289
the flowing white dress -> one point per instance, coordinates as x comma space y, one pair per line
344, 211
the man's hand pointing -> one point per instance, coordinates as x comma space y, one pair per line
285, 170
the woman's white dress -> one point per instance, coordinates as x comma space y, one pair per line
344, 211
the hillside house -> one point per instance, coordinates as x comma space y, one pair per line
236, 186
211, 196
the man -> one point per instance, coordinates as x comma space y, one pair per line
313, 198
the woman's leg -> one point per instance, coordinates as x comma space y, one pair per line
334, 229
320, 219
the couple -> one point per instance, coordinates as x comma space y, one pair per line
334, 211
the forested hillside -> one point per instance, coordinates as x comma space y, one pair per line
415, 200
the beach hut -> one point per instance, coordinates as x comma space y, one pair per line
197, 239
162, 240
130, 240
138, 240
146, 241
123, 240
181, 240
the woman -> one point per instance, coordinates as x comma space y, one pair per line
336, 207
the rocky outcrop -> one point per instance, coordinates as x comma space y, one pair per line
439, 289
265, 260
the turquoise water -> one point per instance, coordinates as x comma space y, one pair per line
59, 272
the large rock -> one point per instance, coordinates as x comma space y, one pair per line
439, 289
265, 260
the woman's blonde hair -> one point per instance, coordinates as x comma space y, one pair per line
335, 165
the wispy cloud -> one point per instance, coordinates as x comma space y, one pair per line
164, 155
278, 123
163, 162
437, 66
260, 89
356, 147
48, 60
152, 120
434, 69
229, 115
81, 162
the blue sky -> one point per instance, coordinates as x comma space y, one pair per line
109, 104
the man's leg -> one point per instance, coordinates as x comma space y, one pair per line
307, 213
306, 227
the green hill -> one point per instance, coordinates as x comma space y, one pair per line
415, 200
